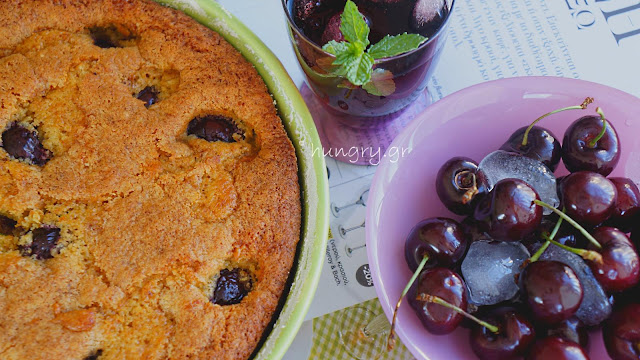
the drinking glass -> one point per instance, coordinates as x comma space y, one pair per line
342, 110
363, 339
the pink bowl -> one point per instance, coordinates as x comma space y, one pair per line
471, 122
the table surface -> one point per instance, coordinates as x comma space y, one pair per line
266, 19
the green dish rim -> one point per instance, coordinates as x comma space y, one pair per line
312, 168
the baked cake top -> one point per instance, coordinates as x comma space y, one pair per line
149, 200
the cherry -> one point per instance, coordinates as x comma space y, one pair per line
311, 16
95, 355
148, 96
44, 241
438, 298
539, 143
591, 143
627, 204
556, 348
515, 335
7, 225
621, 333
458, 184
559, 182
22, 143
542, 145
447, 285
434, 240
442, 240
215, 128
509, 210
426, 16
332, 29
620, 266
110, 36
552, 291
571, 329
588, 197
231, 287
635, 232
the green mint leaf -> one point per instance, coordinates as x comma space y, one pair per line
352, 25
335, 48
359, 69
346, 55
381, 83
395, 45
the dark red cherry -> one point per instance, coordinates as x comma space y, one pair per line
556, 348
442, 239
621, 333
332, 29
44, 240
232, 286
447, 285
95, 355
516, 334
588, 197
627, 204
509, 210
559, 181
571, 330
458, 185
552, 291
426, 16
111, 36
542, 145
22, 143
311, 16
148, 95
7, 225
579, 155
635, 232
620, 269
214, 128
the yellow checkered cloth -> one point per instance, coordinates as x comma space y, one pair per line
336, 336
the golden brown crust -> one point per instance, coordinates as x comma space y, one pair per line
148, 215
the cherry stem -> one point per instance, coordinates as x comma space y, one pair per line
544, 247
582, 106
585, 254
391, 341
440, 301
538, 253
594, 142
572, 222
472, 190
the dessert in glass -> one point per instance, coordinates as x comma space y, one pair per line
396, 83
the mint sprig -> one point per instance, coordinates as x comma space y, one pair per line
352, 25
355, 59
